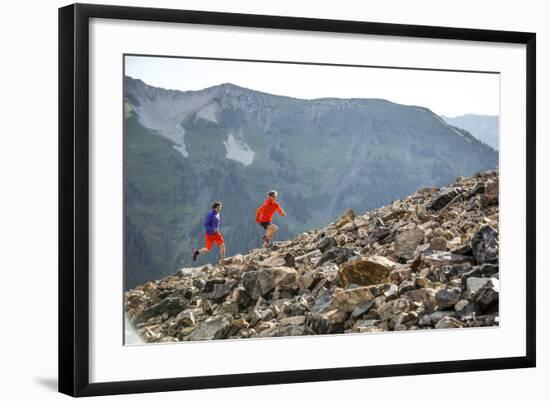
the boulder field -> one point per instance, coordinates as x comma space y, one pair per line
428, 261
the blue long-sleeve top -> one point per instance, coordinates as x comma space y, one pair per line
212, 221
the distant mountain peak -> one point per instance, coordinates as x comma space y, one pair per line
483, 127
230, 86
471, 115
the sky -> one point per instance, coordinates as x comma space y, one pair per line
444, 92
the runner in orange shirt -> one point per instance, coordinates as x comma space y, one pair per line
264, 215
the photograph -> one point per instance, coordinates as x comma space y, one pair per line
268, 198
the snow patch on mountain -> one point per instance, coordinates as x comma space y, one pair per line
167, 114
182, 149
238, 150
177, 135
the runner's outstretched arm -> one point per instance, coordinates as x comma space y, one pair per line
258, 214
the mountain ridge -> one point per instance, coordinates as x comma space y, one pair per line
245, 89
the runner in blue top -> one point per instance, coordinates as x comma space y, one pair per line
212, 224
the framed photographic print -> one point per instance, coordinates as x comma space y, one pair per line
251, 199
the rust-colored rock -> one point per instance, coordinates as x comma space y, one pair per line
366, 271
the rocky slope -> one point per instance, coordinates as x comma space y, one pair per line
427, 261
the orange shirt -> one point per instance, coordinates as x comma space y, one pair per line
265, 213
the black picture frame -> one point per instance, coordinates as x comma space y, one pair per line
74, 194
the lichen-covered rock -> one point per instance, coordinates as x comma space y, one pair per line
485, 245
337, 254
185, 318
347, 217
442, 198
424, 296
407, 242
387, 310
347, 300
171, 306
449, 323
442, 258
447, 297
326, 243
400, 321
293, 321
488, 296
260, 282
212, 328
367, 326
438, 244
363, 308
289, 330
474, 284
217, 288
328, 322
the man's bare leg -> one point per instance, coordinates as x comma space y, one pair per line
271, 230
222, 252
196, 252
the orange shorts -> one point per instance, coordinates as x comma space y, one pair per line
211, 238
